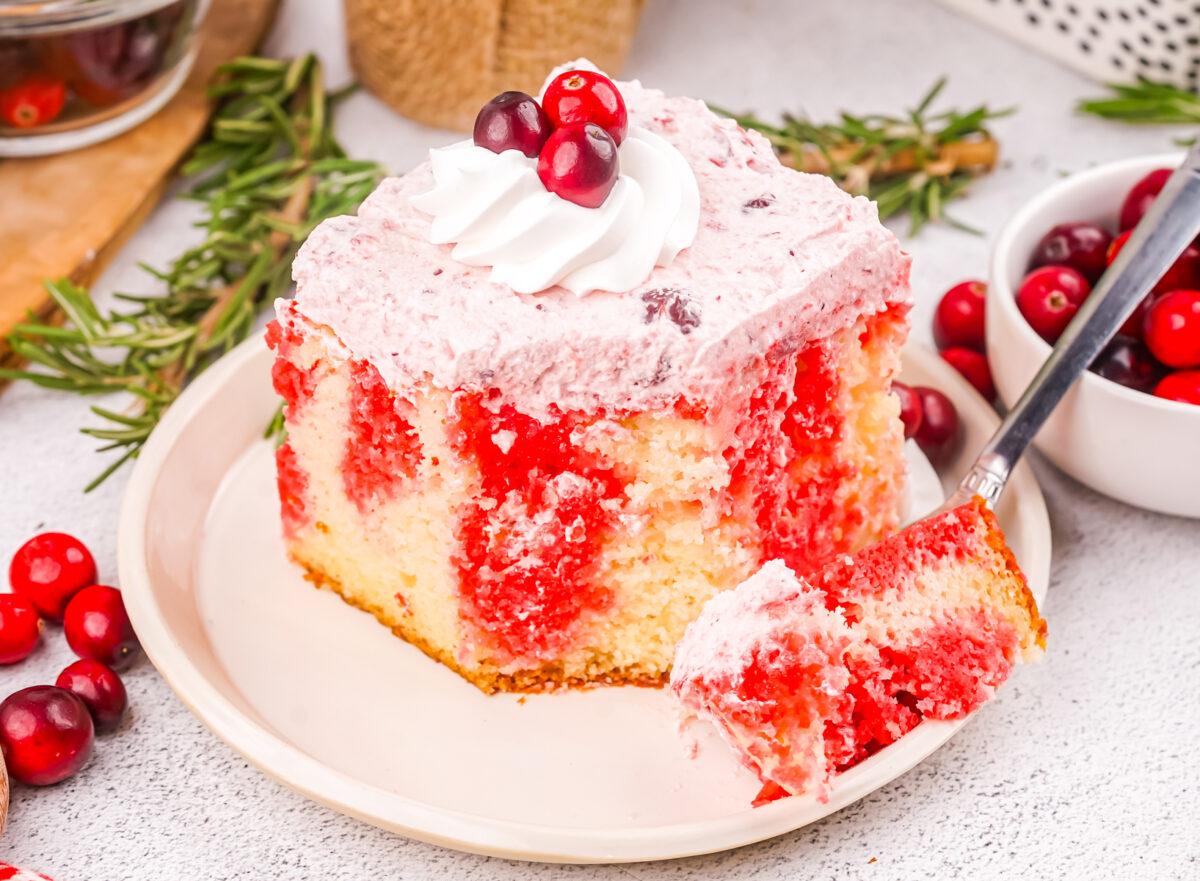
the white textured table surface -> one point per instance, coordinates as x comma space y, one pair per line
1085, 766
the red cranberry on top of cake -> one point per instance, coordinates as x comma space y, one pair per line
560, 385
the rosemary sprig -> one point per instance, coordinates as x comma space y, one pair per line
915, 163
1146, 103
268, 171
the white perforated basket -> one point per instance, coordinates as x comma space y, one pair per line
1113, 42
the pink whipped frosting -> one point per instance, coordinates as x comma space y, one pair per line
778, 254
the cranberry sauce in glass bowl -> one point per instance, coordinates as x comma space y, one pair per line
74, 72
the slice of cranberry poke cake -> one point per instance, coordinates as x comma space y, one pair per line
534, 437
807, 675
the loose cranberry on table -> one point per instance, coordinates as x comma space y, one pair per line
512, 121
1049, 298
579, 163
97, 627
20, 628
46, 733
35, 100
1128, 362
1182, 386
49, 569
958, 319
581, 96
974, 368
1171, 329
910, 408
1081, 246
938, 434
101, 690
1141, 195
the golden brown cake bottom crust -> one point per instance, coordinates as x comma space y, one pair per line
548, 677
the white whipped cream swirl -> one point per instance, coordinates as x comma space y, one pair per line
496, 210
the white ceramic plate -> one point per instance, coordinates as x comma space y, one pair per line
323, 699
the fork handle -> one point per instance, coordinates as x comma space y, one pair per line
1170, 225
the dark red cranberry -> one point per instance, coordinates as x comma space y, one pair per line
938, 435
20, 628
49, 569
1171, 329
46, 733
581, 96
910, 408
1129, 363
512, 121
974, 368
105, 66
958, 320
579, 163
100, 688
1184, 272
1082, 246
1141, 195
1049, 298
97, 627
1132, 327
1182, 386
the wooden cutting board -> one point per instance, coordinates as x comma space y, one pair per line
66, 215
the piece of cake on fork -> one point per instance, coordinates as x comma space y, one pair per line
807, 675
534, 438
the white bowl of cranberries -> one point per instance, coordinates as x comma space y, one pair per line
1130, 428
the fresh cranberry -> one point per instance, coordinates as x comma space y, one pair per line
910, 408
580, 96
1182, 386
97, 627
512, 121
1184, 272
1141, 195
35, 100
46, 733
579, 163
1049, 298
20, 628
49, 569
1082, 246
974, 368
1133, 324
958, 320
1128, 362
938, 435
100, 688
1171, 329
1115, 246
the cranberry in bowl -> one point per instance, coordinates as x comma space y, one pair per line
1113, 434
75, 72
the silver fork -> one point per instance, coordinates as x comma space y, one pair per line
1172, 222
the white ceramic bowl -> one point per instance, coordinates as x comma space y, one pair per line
1132, 446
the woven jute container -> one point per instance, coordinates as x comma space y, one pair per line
439, 61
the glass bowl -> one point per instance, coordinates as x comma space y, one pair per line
74, 72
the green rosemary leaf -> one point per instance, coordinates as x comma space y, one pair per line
1146, 103
267, 172
277, 428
